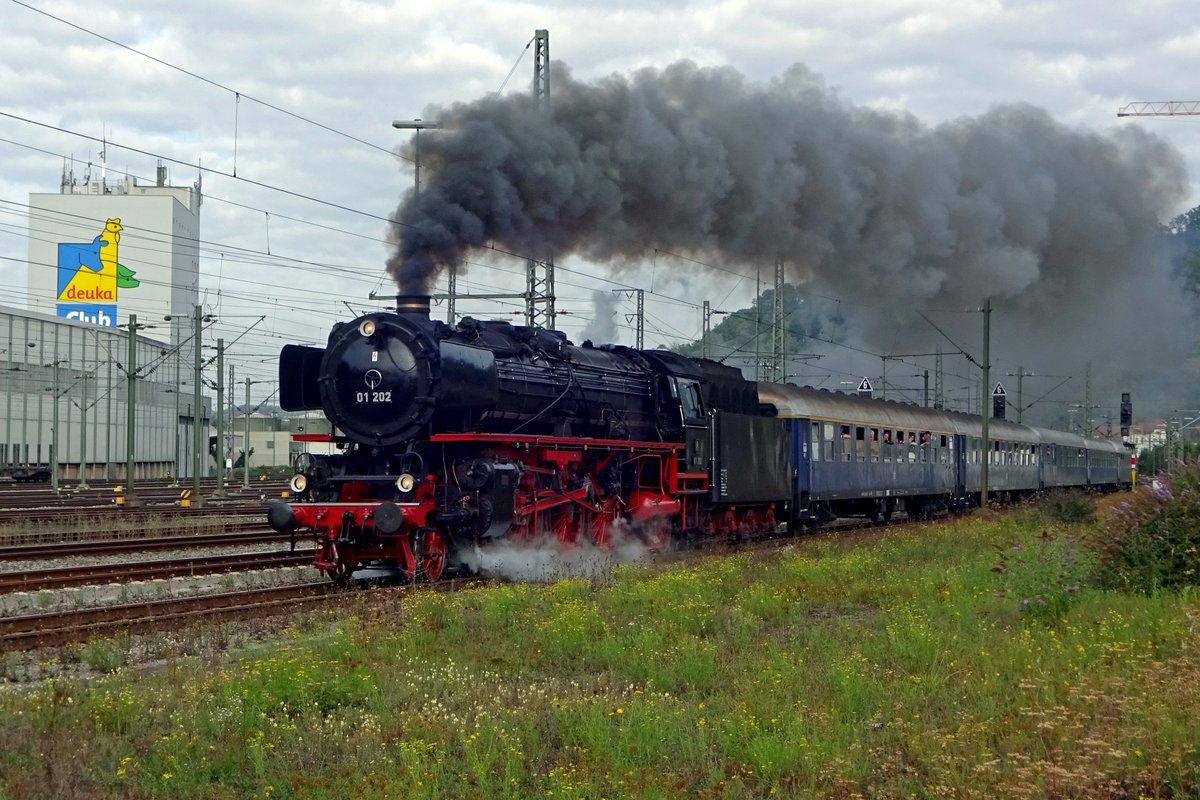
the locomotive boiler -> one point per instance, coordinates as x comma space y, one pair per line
384, 379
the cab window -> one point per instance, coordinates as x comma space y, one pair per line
689, 398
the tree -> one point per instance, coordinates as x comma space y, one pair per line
1182, 236
805, 318
241, 459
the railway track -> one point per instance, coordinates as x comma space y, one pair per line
157, 494
125, 571
254, 533
41, 514
64, 627
32, 631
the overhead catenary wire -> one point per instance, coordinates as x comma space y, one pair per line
238, 94
200, 168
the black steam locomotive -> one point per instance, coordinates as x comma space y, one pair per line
451, 437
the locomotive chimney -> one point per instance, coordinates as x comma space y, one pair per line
413, 306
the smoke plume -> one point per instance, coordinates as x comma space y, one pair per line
603, 327
1054, 223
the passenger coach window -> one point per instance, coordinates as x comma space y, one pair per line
860, 448
847, 447
828, 443
874, 444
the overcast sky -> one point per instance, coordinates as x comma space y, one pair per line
301, 232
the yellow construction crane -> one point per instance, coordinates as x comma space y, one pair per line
1164, 108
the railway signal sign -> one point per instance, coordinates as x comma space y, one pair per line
999, 401
1126, 413
865, 389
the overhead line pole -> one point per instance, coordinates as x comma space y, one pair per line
246, 443
131, 498
539, 278
83, 409
54, 425
176, 467
779, 329
640, 316
219, 491
985, 412
196, 405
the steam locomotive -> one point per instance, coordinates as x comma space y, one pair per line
455, 436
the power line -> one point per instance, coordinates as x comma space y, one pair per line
198, 167
236, 93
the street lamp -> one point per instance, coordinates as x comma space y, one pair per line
416, 125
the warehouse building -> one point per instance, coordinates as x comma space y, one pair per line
81, 393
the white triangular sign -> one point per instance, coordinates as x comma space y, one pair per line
999, 391
866, 386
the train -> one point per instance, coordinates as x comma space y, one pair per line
453, 437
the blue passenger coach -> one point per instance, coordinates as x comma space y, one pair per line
854, 456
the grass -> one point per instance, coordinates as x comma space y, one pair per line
905, 665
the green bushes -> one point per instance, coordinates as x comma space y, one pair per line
1067, 506
1143, 544
1152, 540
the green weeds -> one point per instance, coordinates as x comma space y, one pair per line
1151, 541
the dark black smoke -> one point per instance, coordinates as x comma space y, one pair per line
1056, 224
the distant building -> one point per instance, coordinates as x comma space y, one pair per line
1148, 434
271, 438
100, 252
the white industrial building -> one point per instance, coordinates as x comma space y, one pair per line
100, 255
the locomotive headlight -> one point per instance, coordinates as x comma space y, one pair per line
367, 327
298, 483
406, 482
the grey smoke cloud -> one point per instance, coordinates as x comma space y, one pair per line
1051, 221
603, 326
